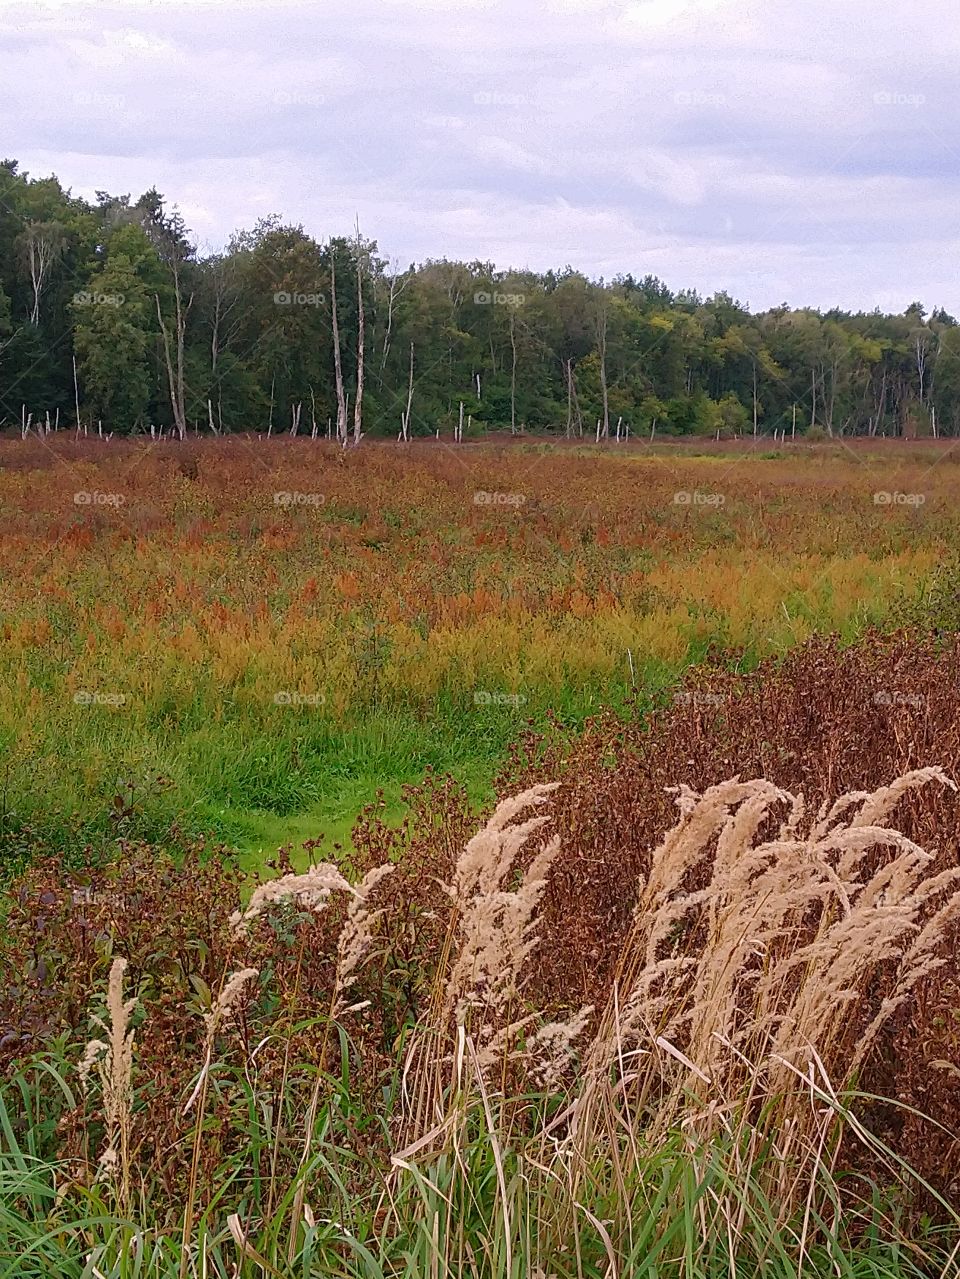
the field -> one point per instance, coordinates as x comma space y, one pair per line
270, 1005
175, 635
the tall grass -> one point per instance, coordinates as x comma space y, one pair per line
703, 1120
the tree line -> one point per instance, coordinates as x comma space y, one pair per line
112, 321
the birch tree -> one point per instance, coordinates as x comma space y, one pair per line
41, 245
600, 320
337, 364
358, 402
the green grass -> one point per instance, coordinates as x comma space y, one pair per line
261, 782
487, 1205
258, 784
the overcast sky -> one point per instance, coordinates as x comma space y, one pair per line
805, 151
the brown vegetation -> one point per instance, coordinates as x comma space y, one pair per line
751, 940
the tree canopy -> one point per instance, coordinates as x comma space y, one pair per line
110, 304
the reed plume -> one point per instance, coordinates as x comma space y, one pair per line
755, 962
496, 926
112, 1060
310, 890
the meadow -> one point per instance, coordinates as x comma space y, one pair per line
517, 860
248, 640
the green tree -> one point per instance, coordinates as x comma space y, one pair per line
115, 333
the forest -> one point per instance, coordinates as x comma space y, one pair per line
112, 321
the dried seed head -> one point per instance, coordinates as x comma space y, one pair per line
311, 890
225, 1001
356, 935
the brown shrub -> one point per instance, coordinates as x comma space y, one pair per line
824, 721
173, 921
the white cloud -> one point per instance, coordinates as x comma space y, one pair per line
780, 149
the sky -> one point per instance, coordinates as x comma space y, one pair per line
799, 151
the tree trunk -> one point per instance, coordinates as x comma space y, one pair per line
394, 293
830, 403
405, 416
513, 374
577, 412
36, 282
76, 393
358, 404
602, 352
174, 379
181, 329
338, 370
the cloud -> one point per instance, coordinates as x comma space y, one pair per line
779, 149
